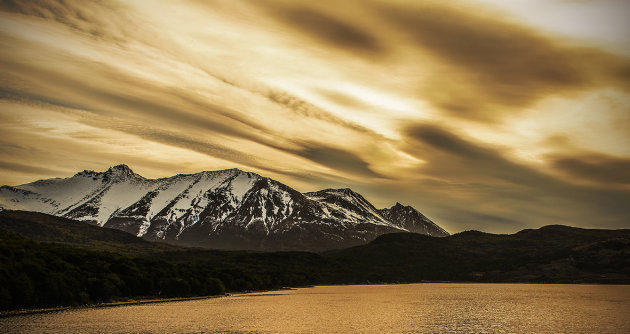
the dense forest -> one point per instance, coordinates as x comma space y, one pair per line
38, 274
47, 261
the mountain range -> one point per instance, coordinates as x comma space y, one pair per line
225, 209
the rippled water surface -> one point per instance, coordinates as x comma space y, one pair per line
410, 308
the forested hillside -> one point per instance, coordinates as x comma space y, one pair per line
47, 261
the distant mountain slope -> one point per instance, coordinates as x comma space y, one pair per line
412, 220
227, 209
554, 253
47, 228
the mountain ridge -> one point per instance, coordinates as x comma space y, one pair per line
227, 209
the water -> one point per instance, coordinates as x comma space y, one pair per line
411, 308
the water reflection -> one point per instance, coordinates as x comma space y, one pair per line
413, 308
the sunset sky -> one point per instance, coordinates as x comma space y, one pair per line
483, 114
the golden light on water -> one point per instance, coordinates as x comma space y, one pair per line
416, 308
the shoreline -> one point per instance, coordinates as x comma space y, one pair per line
104, 305
12, 313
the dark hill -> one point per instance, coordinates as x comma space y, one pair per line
47, 261
47, 228
555, 253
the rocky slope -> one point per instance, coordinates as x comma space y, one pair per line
228, 209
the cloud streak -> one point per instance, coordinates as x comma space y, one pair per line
335, 31
598, 168
100, 19
491, 64
500, 183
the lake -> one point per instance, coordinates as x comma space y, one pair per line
405, 308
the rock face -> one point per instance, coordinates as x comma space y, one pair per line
412, 220
227, 209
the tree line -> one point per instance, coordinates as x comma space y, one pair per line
37, 274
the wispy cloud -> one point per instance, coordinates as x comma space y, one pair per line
595, 167
490, 65
336, 31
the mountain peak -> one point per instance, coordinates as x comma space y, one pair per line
409, 218
232, 171
119, 170
402, 207
122, 167
344, 191
87, 172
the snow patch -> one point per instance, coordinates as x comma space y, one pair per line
241, 184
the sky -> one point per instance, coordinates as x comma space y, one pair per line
490, 115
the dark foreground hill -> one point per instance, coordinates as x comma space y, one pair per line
47, 228
551, 254
51, 261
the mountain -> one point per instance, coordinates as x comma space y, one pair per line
72, 233
550, 254
226, 209
412, 220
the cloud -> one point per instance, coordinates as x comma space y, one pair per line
306, 109
335, 158
343, 99
325, 27
124, 102
119, 95
449, 154
185, 142
488, 65
106, 19
480, 67
483, 180
122, 111
595, 167
475, 219
30, 169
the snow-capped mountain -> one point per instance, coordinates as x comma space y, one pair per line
412, 220
229, 209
